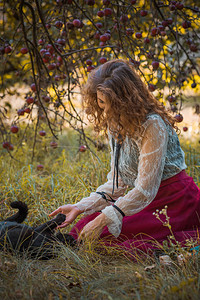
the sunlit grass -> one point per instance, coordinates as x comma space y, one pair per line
87, 273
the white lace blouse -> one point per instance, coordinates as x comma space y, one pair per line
143, 163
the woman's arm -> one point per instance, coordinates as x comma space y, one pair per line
95, 202
150, 170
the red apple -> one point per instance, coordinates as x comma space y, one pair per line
143, 12
41, 42
179, 5
107, 11
169, 21
24, 50
58, 24
104, 38
47, 55
70, 25
103, 60
2, 50
90, 68
30, 100
61, 42
138, 35
171, 98
89, 62
152, 87
11, 147
154, 31
146, 40
51, 66
57, 77
20, 112
99, 25
155, 65
50, 49
106, 2
161, 27
8, 49
6, 145
193, 48
185, 128
82, 148
108, 34
124, 18
186, 24
77, 23
90, 2
46, 99
45, 60
54, 144
100, 13
40, 167
102, 44
59, 59
33, 87
14, 129
27, 110
42, 51
163, 33
97, 35
179, 118
129, 31
164, 23
172, 7
59, 2
42, 132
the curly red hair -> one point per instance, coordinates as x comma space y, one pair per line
129, 98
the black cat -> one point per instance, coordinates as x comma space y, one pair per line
38, 242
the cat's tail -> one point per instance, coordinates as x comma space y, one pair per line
22, 213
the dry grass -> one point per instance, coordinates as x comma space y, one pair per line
86, 273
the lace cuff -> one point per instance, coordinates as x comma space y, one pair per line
115, 226
92, 204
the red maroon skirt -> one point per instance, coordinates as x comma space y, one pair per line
144, 232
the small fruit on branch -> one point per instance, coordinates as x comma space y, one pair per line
42, 132
14, 129
179, 118
24, 50
40, 167
82, 148
54, 144
155, 65
30, 100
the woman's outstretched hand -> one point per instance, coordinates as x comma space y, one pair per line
70, 211
93, 229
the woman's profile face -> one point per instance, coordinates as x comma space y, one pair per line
102, 102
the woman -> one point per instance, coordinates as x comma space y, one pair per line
145, 156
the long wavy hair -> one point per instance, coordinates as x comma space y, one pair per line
128, 96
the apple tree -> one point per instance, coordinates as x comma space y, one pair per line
47, 49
